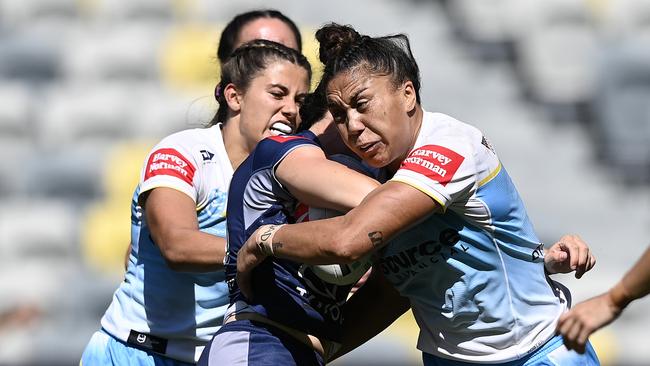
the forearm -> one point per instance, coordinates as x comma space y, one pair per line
635, 283
366, 317
320, 242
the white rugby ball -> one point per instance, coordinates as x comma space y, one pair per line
338, 274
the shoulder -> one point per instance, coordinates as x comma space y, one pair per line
193, 136
449, 132
283, 143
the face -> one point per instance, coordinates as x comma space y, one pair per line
372, 116
267, 28
270, 104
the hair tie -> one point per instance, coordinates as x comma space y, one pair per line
217, 91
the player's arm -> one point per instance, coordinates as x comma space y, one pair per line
589, 316
316, 181
365, 317
386, 211
171, 217
569, 254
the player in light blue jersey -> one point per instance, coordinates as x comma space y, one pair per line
174, 296
452, 231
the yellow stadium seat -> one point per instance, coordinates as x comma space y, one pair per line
106, 228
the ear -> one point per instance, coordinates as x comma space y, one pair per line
410, 98
233, 97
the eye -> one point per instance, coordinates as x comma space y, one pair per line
300, 100
338, 116
362, 105
277, 93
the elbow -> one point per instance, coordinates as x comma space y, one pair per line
174, 259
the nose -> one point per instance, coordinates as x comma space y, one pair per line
290, 109
355, 126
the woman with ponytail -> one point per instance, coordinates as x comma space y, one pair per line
174, 296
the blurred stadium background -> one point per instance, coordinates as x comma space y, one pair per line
562, 87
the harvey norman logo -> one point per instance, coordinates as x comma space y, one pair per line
169, 162
436, 162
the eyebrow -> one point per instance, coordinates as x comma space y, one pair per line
355, 96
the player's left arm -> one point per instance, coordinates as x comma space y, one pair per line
365, 317
569, 254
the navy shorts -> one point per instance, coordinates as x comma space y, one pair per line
249, 343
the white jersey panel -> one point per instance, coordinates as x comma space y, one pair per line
185, 309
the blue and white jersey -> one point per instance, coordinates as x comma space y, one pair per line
185, 309
475, 273
285, 291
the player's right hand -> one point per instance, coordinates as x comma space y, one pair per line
585, 318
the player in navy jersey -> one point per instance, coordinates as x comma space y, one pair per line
451, 229
174, 296
294, 316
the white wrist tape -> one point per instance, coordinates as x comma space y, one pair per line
264, 238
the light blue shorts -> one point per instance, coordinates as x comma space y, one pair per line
105, 350
553, 353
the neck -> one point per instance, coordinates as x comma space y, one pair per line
415, 123
234, 142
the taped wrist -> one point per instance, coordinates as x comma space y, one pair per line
264, 238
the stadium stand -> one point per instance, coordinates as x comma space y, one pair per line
87, 87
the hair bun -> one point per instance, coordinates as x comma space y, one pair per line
334, 40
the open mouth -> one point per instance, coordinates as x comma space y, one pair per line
281, 128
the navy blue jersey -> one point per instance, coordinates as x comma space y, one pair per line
285, 291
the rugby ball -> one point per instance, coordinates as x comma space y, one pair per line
338, 274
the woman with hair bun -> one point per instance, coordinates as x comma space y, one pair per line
450, 227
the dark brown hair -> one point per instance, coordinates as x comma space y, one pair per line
246, 63
230, 33
342, 48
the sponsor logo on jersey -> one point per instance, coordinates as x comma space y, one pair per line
206, 155
171, 163
435, 162
485, 142
410, 262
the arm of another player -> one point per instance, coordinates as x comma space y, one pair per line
319, 182
171, 217
365, 317
588, 316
